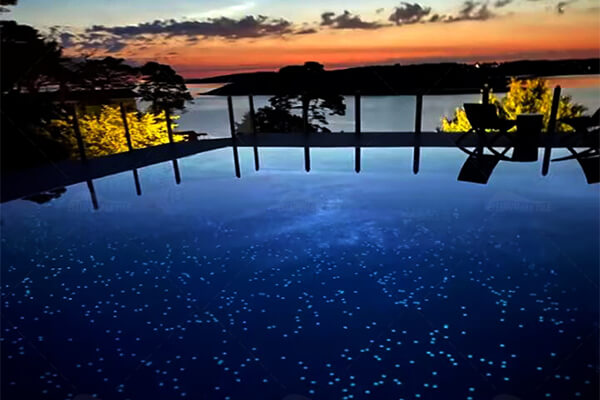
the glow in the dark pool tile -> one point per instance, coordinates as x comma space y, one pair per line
229, 303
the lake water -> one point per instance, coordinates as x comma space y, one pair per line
379, 114
295, 286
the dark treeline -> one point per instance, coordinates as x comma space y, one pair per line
396, 79
40, 85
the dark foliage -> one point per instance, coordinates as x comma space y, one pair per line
27, 60
163, 87
31, 64
104, 74
303, 91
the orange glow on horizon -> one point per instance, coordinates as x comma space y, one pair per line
528, 36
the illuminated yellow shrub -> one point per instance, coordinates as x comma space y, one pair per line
103, 133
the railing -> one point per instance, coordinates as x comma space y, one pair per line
88, 169
358, 134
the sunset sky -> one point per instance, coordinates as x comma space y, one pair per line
203, 38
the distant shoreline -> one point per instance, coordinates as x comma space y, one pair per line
442, 78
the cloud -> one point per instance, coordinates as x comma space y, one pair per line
87, 41
560, 6
223, 27
502, 3
7, 3
116, 38
113, 39
305, 31
347, 21
408, 13
472, 11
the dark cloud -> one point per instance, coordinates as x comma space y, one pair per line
347, 21
560, 6
87, 41
246, 27
7, 3
106, 43
408, 13
67, 39
306, 31
472, 11
115, 38
502, 3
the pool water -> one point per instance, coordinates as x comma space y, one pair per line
288, 285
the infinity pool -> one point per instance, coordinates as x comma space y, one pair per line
288, 285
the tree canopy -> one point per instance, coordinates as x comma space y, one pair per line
27, 60
300, 88
162, 87
33, 66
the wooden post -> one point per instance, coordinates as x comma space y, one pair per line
170, 132
126, 126
90, 185
485, 94
136, 179
169, 128
418, 122
357, 128
80, 143
550, 131
305, 102
236, 159
176, 170
254, 132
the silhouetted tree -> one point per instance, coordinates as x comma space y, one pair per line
46, 196
35, 124
162, 87
301, 87
28, 61
104, 74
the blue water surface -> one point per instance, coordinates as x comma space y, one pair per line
326, 285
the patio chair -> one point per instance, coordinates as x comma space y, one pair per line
586, 127
479, 166
589, 160
584, 123
484, 117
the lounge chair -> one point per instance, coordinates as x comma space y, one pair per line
589, 160
586, 127
584, 123
191, 136
484, 118
479, 166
